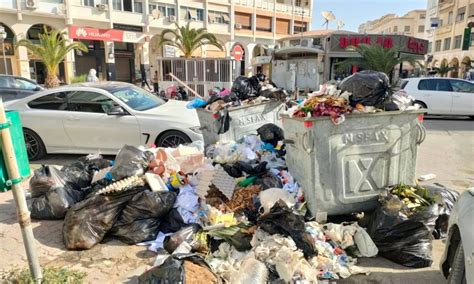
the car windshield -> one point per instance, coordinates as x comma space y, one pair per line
138, 99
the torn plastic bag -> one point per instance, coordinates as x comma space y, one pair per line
141, 216
87, 222
369, 88
191, 235
404, 240
44, 179
130, 161
180, 268
269, 180
446, 199
53, 194
270, 133
281, 220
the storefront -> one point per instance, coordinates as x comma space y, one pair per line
111, 52
339, 43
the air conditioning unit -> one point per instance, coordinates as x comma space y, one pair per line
102, 7
31, 4
238, 26
172, 19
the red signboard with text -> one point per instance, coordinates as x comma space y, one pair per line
95, 34
404, 43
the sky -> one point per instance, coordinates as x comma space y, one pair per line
356, 12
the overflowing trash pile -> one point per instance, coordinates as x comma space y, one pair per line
229, 213
362, 92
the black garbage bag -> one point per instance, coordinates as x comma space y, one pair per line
172, 222
406, 240
281, 220
269, 180
53, 194
188, 235
81, 172
173, 270
369, 88
237, 169
87, 222
446, 199
270, 133
130, 161
246, 87
141, 216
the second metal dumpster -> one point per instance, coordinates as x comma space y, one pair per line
342, 168
244, 120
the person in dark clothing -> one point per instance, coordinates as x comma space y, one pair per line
155, 82
144, 78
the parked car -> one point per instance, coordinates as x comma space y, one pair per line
101, 118
14, 87
457, 263
442, 96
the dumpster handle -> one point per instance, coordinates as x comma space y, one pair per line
309, 149
421, 133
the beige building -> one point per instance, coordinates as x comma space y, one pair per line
410, 24
122, 35
453, 17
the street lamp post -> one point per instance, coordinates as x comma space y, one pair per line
3, 36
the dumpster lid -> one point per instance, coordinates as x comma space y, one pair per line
383, 113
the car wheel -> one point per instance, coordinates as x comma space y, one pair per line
422, 104
172, 139
457, 275
34, 145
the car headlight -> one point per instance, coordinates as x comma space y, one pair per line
196, 129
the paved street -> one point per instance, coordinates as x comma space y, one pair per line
448, 152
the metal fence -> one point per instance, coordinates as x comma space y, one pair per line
200, 74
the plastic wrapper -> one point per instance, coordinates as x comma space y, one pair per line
190, 235
130, 161
402, 239
281, 220
222, 124
81, 172
180, 268
270, 133
53, 194
141, 216
87, 222
369, 88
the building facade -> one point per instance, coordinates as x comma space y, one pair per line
123, 35
410, 24
452, 41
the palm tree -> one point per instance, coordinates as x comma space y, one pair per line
187, 39
444, 69
51, 50
377, 58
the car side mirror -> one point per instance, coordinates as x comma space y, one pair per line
117, 110
38, 88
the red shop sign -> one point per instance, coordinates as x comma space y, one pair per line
346, 41
95, 34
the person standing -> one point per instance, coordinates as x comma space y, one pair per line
144, 78
155, 82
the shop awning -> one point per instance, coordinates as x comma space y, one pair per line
292, 49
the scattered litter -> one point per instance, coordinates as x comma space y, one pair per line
427, 177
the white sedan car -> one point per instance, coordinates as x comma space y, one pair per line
101, 118
442, 96
457, 263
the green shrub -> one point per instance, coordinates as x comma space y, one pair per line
79, 79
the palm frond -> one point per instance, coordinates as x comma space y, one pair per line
187, 39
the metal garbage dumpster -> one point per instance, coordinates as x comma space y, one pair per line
244, 120
342, 168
